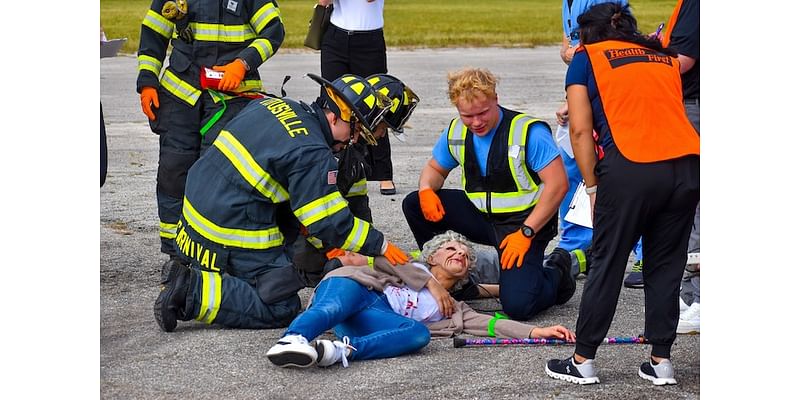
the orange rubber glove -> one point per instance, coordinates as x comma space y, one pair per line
394, 254
515, 245
149, 96
334, 252
431, 206
234, 73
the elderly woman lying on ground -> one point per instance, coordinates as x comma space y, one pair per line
380, 311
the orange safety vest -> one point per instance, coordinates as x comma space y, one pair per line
665, 34
640, 90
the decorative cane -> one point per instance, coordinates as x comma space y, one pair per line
461, 342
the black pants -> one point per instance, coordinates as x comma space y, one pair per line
362, 54
103, 149
655, 201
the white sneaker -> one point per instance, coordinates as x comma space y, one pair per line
682, 306
689, 321
331, 352
292, 351
660, 374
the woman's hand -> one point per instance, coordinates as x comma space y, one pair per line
553, 332
442, 296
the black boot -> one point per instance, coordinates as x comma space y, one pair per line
560, 260
173, 259
171, 301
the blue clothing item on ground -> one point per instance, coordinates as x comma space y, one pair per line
363, 315
637, 251
540, 149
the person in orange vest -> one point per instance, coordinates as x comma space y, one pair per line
627, 87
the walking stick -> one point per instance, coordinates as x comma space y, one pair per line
461, 342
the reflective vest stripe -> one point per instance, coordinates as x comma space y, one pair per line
158, 24
241, 238
358, 189
249, 169
167, 231
263, 47
252, 85
320, 208
357, 236
180, 88
211, 297
518, 133
264, 16
222, 33
527, 194
152, 64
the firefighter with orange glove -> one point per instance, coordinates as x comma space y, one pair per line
231, 37
512, 182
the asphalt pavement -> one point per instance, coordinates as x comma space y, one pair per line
138, 361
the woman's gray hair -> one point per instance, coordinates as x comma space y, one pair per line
437, 241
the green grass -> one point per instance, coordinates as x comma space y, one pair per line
418, 23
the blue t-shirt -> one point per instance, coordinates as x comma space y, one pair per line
540, 150
569, 16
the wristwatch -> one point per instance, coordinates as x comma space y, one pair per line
527, 231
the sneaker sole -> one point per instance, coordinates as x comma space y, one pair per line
688, 331
288, 359
658, 381
570, 378
634, 285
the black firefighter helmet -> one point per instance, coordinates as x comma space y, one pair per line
404, 100
352, 96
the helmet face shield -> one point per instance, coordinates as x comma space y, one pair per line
403, 99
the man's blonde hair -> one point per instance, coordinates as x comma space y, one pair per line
469, 82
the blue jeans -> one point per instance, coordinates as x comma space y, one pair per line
364, 315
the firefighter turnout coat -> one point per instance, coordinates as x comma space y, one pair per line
275, 152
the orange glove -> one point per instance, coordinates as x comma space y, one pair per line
431, 206
149, 96
333, 253
394, 254
517, 245
234, 73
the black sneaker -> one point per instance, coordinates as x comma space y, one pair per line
567, 370
560, 259
635, 280
169, 305
660, 374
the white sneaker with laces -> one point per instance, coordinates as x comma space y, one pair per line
689, 321
292, 351
330, 352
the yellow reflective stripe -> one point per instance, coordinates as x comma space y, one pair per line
249, 169
358, 189
241, 238
147, 63
222, 33
158, 24
252, 85
180, 88
211, 297
320, 208
517, 156
263, 47
264, 16
167, 231
505, 202
315, 242
357, 236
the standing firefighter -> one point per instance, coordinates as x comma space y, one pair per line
230, 36
276, 152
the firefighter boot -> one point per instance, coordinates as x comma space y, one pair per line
171, 301
560, 260
173, 259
